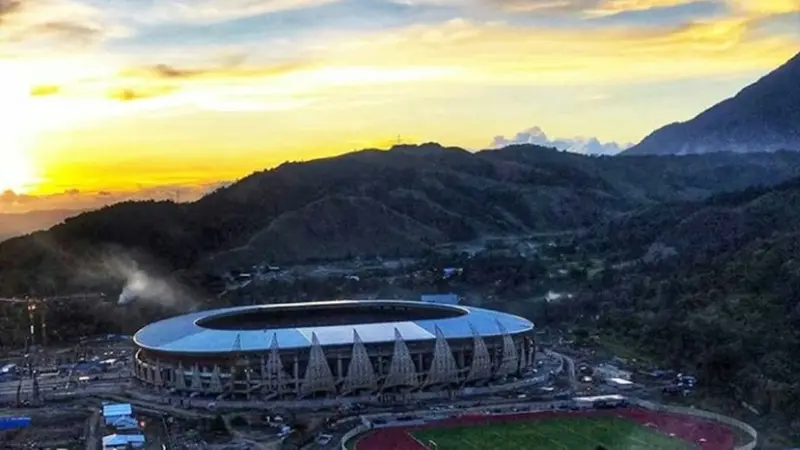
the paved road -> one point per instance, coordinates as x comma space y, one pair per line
570, 368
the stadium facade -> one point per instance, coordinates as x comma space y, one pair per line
338, 348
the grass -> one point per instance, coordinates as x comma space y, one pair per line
552, 434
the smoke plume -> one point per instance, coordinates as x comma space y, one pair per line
141, 285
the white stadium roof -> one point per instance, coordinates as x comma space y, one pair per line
182, 334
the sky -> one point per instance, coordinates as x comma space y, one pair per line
104, 100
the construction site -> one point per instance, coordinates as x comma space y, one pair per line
63, 396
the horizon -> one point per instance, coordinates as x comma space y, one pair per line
82, 202
191, 97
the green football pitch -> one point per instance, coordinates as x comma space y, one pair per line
550, 434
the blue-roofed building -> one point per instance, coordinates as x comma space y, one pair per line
442, 299
14, 423
350, 344
125, 424
123, 441
116, 411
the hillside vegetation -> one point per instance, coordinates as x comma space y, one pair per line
725, 303
397, 202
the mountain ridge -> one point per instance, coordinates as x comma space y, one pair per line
419, 195
764, 116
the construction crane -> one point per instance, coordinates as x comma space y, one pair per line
35, 304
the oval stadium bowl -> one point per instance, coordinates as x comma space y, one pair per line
342, 348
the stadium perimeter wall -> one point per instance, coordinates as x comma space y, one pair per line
730, 421
361, 429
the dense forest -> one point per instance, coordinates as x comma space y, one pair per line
724, 301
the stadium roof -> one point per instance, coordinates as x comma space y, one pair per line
182, 334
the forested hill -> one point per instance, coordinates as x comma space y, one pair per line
717, 291
400, 201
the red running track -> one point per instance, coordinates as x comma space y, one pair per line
687, 428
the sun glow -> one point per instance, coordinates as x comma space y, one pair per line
17, 171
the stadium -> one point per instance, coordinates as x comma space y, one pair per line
337, 348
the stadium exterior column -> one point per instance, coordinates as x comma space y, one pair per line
296, 374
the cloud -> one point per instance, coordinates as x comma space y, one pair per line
78, 32
75, 199
54, 22
584, 145
493, 54
588, 8
760, 8
263, 75
199, 12
229, 70
8, 7
612, 7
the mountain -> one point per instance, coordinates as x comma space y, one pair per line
764, 116
402, 201
23, 223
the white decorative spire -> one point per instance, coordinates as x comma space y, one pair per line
216, 381
443, 368
197, 382
319, 377
509, 362
481, 367
273, 375
360, 374
157, 375
180, 377
401, 370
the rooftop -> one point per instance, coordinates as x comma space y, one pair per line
117, 409
191, 333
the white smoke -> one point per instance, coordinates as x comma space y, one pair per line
141, 285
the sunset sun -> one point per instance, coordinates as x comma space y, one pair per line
17, 171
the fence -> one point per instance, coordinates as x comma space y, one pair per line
730, 421
353, 433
